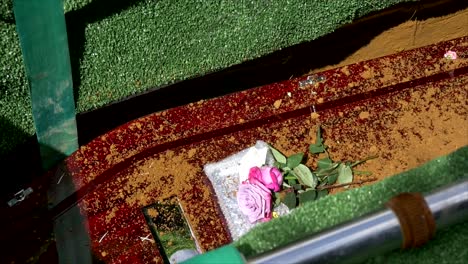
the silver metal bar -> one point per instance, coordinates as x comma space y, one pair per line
449, 206
369, 235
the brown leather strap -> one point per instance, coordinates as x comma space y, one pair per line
416, 220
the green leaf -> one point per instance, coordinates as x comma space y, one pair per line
291, 178
332, 178
324, 163
277, 198
316, 149
345, 174
319, 140
290, 200
279, 165
307, 196
294, 160
318, 146
297, 187
322, 193
325, 172
304, 174
277, 155
292, 182
290, 173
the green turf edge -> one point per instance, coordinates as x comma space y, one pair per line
344, 206
151, 44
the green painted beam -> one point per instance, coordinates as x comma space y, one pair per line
225, 254
44, 45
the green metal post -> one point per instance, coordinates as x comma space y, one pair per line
44, 44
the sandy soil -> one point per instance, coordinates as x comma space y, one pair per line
410, 35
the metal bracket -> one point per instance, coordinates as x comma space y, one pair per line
20, 196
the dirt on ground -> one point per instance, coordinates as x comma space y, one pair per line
411, 34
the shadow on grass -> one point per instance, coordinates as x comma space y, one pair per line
28, 226
25, 226
6, 11
296, 60
20, 164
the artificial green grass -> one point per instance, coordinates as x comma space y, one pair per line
448, 246
124, 47
16, 122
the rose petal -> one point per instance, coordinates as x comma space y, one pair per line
277, 173
254, 201
271, 178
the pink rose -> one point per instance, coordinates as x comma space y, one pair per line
254, 201
269, 176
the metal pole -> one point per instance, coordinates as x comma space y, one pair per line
44, 45
369, 235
